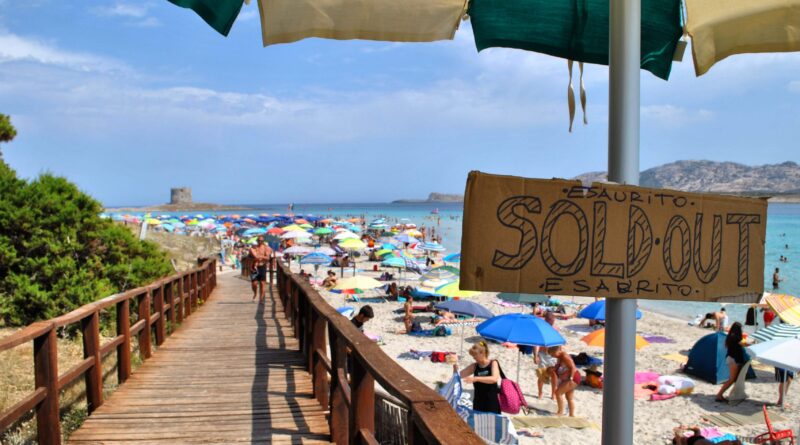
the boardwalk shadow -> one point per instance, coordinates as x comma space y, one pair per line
287, 419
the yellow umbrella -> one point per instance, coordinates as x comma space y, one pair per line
293, 227
153, 221
453, 290
598, 338
787, 307
358, 282
413, 232
352, 244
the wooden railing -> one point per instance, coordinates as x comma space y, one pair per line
345, 381
169, 299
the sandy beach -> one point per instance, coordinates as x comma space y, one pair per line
654, 420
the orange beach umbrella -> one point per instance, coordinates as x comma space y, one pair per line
598, 338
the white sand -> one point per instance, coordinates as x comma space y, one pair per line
654, 420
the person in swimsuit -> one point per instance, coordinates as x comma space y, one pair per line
262, 255
568, 379
696, 438
484, 375
776, 279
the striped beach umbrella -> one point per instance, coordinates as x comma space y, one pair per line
433, 247
453, 290
452, 258
777, 330
445, 273
787, 307
315, 258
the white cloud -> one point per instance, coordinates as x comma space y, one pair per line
14, 48
137, 11
247, 15
674, 116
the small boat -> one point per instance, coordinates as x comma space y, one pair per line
435, 211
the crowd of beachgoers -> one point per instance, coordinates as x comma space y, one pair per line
395, 279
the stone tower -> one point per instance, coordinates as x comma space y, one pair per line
180, 195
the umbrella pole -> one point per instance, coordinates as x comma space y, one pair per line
623, 168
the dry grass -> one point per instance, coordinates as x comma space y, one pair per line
17, 381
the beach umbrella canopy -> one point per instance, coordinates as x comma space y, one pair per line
777, 330
326, 250
322, 231
466, 308
384, 252
523, 298
786, 307
780, 353
352, 244
345, 235
293, 228
293, 234
388, 246
275, 231
453, 290
521, 329
445, 273
432, 247
597, 311
403, 238
598, 338
452, 258
316, 258
358, 282
394, 262
153, 221
298, 250
433, 284
412, 232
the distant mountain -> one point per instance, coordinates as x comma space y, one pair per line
718, 177
433, 197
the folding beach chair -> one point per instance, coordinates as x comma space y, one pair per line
738, 393
772, 436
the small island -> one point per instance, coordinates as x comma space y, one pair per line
433, 198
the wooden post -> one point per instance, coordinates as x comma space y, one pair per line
144, 334
45, 363
91, 348
124, 349
161, 323
338, 420
169, 296
187, 289
193, 292
362, 404
179, 310
319, 373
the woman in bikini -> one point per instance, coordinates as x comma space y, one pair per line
568, 379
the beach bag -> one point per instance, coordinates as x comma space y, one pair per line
416, 327
510, 396
438, 357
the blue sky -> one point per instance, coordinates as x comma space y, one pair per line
130, 98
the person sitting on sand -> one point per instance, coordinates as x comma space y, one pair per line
568, 378
444, 317
697, 438
735, 359
391, 291
372, 256
330, 281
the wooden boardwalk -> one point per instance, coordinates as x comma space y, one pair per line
231, 374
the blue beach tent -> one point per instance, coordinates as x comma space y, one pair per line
707, 359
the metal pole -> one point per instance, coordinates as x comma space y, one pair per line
623, 167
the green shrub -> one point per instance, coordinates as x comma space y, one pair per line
57, 254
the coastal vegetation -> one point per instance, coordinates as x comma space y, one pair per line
57, 254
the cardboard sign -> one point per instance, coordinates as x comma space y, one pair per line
559, 237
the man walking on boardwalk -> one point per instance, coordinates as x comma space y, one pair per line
261, 254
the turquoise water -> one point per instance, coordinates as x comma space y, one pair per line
783, 228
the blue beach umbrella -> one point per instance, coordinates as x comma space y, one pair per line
433, 247
777, 330
316, 258
403, 238
452, 258
388, 246
394, 261
444, 273
465, 307
522, 329
597, 311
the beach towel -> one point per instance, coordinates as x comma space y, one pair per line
494, 428
645, 377
658, 339
415, 355
284, 21
219, 14
728, 420
575, 30
435, 332
722, 28
657, 396
552, 422
505, 303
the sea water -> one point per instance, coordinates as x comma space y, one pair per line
783, 239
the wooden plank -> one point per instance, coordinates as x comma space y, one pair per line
75, 372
